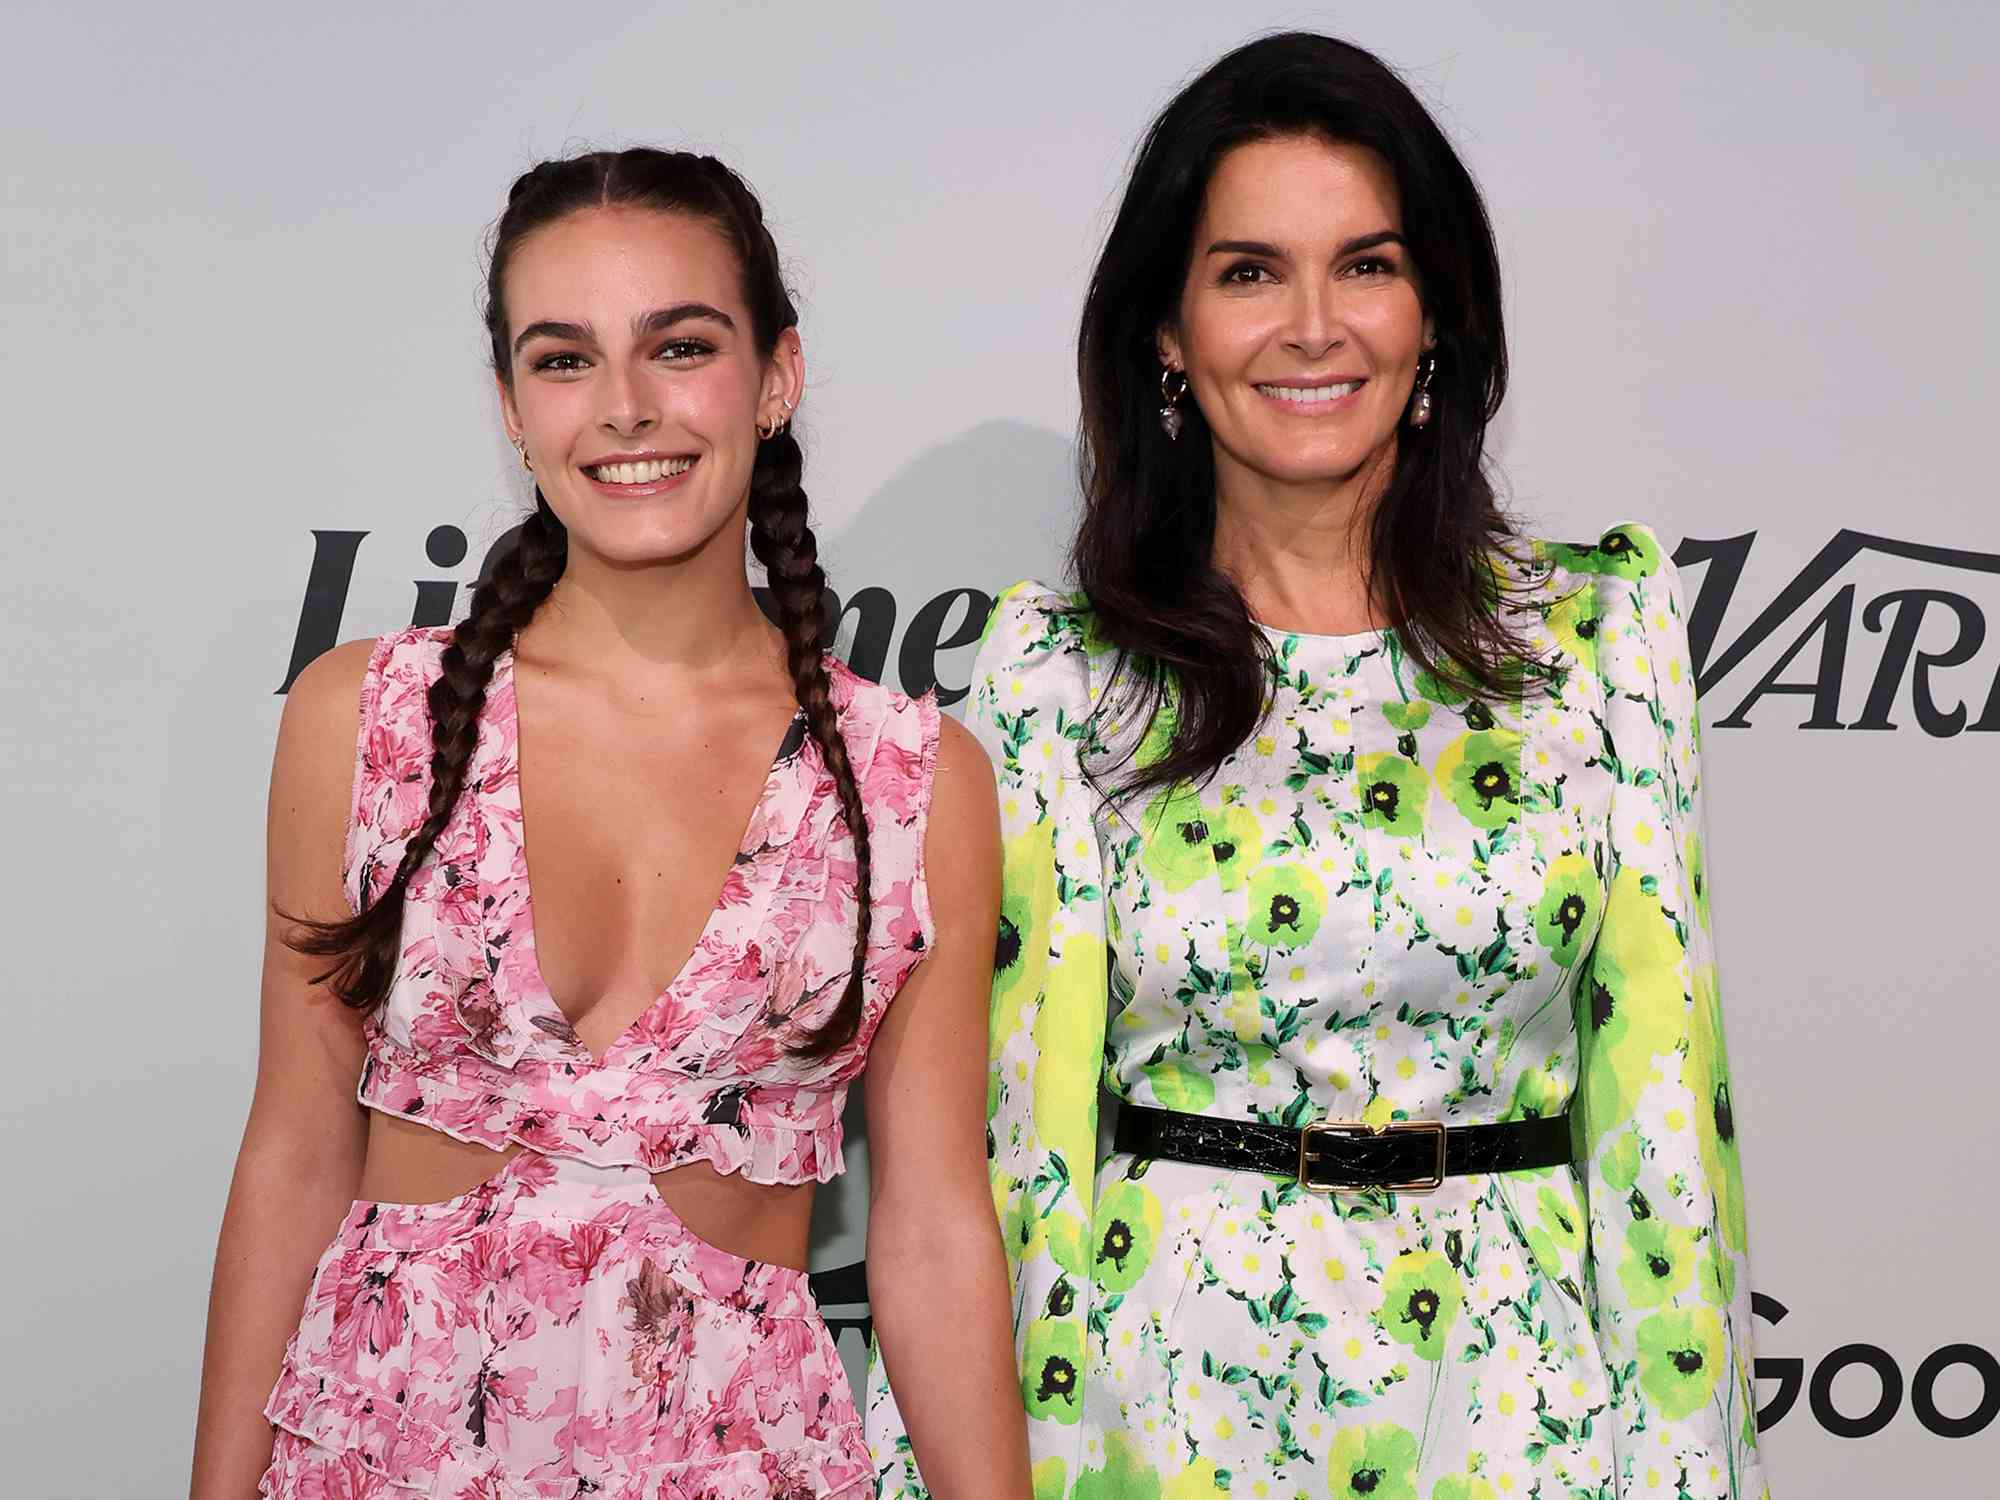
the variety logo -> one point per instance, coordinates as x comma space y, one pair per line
1941, 700
947, 622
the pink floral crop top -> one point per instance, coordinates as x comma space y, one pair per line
470, 1041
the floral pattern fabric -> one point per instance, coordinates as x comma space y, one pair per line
470, 1040
1395, 902
557, 1332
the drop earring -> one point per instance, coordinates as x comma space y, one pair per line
1172, 419
1421, 405
521, 447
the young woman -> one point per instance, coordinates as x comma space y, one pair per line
1373, 830
569, 1221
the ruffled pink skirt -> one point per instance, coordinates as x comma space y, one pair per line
557, 1332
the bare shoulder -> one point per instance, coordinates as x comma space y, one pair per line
327, 693
962, 834
963, 801
317, 733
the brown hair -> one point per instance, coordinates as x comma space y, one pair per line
364, 948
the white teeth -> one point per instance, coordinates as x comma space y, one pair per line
1307, 395
650, 471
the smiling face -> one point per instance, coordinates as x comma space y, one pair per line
1300, 321
635, 381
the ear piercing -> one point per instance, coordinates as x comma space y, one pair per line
769, 430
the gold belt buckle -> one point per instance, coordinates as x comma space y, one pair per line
1434, 1128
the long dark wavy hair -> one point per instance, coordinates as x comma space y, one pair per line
364, 948
1143, 553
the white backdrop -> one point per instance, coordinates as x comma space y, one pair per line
1748, 256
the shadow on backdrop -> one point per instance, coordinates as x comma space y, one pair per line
913, 575
917, 568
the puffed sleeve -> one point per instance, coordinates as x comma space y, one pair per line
1657, 1129
1030, 708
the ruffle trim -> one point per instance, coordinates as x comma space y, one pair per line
920, 894
490, 1112
410, 1454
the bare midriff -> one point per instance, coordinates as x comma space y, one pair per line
770, 1222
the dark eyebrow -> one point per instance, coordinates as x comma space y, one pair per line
661, 318
1246, 247
656, 321
576, 333
1370, 242
1272, 252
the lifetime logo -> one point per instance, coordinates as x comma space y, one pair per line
1790, 1375
1900, 615
948, 621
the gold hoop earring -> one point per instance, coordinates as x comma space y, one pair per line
772, 429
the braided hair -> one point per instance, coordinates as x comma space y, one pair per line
364, 948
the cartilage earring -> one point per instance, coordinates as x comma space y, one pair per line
1421, 405
1173, 386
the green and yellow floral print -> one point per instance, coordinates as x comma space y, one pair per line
1395, 901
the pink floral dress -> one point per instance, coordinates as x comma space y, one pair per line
558, 1331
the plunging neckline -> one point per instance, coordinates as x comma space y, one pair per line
557, 1021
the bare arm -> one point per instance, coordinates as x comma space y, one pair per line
300, 1160
937, 1277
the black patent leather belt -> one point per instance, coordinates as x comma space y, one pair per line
1404, 1156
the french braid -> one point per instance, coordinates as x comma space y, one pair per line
365, 947
784, 544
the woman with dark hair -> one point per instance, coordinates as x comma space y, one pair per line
569, 1221
1353, 842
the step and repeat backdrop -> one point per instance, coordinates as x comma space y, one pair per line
1748, 256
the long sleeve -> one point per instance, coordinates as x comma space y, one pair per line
1030, 709
1661, 1175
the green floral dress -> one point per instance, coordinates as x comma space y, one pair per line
1394, 902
